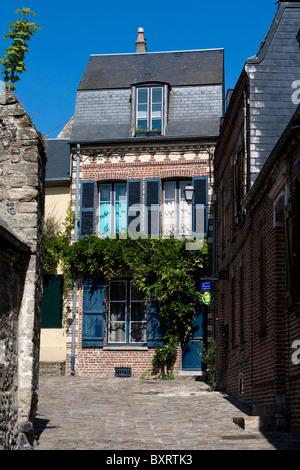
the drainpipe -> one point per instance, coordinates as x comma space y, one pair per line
74, 274
214, 260
245, 139
214, 242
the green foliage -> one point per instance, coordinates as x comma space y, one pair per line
162, 269
165, 356
20, 32
56, 247
209, 357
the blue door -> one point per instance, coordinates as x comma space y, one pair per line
191, 353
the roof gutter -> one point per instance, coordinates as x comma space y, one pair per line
135, 140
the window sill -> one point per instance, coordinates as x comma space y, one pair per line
147, 134
125, 348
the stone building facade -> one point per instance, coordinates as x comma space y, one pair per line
257, 228
22, 166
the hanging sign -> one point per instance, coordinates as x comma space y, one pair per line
206, 286
207, 298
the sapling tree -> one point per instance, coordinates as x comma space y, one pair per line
20, 32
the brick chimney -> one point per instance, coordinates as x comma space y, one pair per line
140, 42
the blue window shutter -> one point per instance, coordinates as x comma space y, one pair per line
93, 312
155, 331
134, 206
87, 208
152, 207
200, 206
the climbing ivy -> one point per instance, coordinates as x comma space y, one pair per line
163, 269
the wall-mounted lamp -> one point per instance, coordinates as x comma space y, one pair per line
189, 193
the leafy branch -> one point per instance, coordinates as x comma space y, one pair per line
20, 32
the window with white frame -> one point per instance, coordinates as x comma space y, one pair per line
149, 109
127, 313
177, 212
113, 208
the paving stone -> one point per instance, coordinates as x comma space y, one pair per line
95, 413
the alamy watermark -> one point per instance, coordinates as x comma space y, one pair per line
190, 228
296, 93
296, 353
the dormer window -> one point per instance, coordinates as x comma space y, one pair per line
149, 109
149, 112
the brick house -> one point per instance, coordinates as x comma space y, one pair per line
145, 126
257, 178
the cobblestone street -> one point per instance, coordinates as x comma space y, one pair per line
94, 413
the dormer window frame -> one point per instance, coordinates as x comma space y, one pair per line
149, 129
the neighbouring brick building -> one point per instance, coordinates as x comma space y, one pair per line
22, 166
257, 229
145, 125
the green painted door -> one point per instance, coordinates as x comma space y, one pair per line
52, 301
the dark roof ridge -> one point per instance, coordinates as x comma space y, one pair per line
159, 52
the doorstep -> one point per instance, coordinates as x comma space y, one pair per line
191, 373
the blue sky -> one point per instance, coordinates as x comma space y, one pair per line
71, 30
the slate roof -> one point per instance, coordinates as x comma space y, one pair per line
273, 78
58, 160
196, 82
198, 67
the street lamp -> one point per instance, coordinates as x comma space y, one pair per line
189, 193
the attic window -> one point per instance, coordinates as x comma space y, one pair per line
149, 110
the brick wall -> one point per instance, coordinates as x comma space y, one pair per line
263, 358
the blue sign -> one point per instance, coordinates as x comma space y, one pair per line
206, 286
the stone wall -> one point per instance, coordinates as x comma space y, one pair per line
22, 168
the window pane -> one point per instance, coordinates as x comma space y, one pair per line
117, 332
142, 124
169, 208
169, 190
105, 209
118, 290
156, 95
185, 213
120, 192
156, 116
156, 125
117, 311
156, 111
105, 218
136, 294
104, 191
120, 208
142, 111
121, 217
138, 311
142, 95
138, 332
